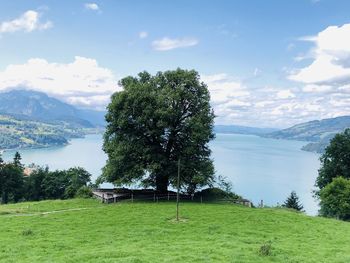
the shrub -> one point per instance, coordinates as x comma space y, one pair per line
84, 192
335, 199
211, 194
27, 232
266, 249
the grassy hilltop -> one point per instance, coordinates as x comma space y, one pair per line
87, 231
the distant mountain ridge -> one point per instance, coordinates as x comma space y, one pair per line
38, 106
318, 132
237, 129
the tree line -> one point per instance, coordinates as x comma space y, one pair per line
42, 183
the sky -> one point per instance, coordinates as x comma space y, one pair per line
269, 63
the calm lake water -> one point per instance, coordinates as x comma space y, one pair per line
259, 168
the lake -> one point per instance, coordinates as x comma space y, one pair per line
259, 168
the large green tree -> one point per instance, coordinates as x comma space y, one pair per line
335, 162
153, 122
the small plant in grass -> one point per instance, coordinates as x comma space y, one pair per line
266, 249
4, 213
27, 232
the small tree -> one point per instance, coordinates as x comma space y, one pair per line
292, 202
17, 160
335, 199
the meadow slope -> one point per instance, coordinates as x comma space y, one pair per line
87, 231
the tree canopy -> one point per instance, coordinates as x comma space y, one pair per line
335, 161
154, 121
335, 199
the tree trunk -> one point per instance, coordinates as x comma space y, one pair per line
162, 182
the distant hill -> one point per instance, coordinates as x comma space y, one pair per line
20, 133
318, 132
38, 106
242, 129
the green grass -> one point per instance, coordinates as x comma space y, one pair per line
87, 231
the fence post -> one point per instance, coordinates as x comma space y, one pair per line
261, 203
103, 198
201, 199
132, 197
168, 196
154, 196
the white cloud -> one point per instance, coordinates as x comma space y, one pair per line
223, 89
92, 6
331, 54
317, 88
82, 82
285, 94
143, 34
236, 102
28, 22
166, 43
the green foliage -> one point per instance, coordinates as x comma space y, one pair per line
335, 199
155, 121
33, 184
17, 160
11, 182
293, 202
224, 184
212, 194
335, 161
266, 249
84, 192
41, 184
20, 133
27, 232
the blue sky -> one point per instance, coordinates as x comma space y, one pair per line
267, 63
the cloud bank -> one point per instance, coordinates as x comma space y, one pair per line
82, 82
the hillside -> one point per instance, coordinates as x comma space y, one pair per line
19, 133
88, 231
318, 132
40, 107
237, 129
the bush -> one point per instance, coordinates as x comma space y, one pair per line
27, 232
84, 192
266, 249
335, 199
211, 194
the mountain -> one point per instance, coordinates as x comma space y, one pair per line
318, 132
38, 106
242, 129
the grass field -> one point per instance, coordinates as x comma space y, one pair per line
87, 231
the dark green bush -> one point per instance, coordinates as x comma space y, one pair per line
84, 192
